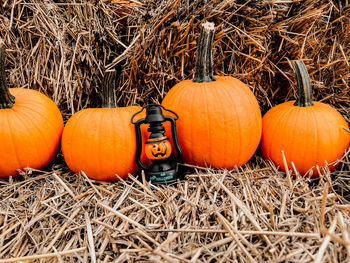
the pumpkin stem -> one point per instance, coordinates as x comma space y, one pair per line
108, 96
303, 85
204, 58
6, 99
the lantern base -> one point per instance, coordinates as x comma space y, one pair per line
163, 171
164, 177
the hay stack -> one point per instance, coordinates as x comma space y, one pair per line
252, 214
64, 49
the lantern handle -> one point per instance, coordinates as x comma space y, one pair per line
133, 116
139, 142
149, 105
173, 112
172, 120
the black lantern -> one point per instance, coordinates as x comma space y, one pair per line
163, 168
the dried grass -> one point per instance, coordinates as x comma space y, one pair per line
63, 49
251, 214
246, 215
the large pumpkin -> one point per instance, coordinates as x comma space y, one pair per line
30, 127
219, 121
310, 133
101, 141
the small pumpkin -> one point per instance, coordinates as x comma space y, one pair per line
158, 149
308, 132
219, 121
30, 127
101, 141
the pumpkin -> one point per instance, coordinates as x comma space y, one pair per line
101, 141
158, 149
310, 133
219, 121
30, 127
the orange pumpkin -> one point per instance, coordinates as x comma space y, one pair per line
30, 127
308, 132
101, 141
219, 121
158, 149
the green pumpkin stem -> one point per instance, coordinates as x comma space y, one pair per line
303, 85
204, 58
108, 96
6, 99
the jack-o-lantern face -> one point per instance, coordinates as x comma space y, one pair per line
157, 149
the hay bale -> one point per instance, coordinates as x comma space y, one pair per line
63, 49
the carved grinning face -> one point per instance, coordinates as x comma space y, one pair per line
158, 150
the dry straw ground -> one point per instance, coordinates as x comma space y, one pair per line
252, 214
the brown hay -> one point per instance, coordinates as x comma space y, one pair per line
253, 213
63, 49
250, 214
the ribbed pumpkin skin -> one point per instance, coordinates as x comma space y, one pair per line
219, 122
307, 135
30, 132
101, 142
